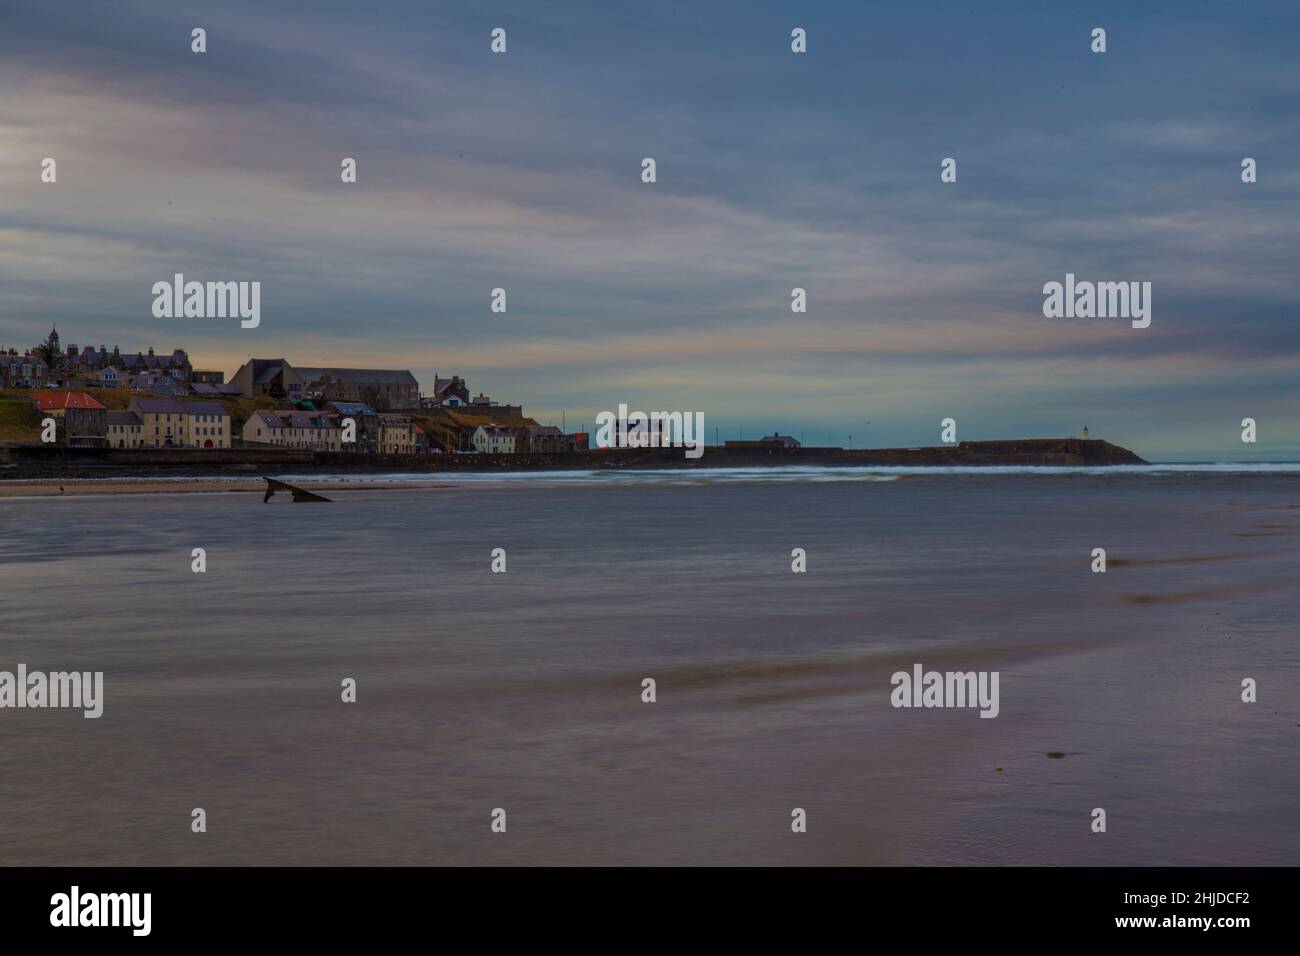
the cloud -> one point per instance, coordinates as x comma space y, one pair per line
775, 171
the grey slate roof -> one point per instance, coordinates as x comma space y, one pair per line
206, 408
352, 408
360, 376
160, 406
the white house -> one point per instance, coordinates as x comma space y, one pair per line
494, 440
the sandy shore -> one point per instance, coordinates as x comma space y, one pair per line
126, 486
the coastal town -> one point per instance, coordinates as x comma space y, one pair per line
102, 398
96, 407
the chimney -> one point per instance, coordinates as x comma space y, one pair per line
151, 351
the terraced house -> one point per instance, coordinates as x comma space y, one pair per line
316, 431
162, 420
208, 425
366, 421
91, 360
125, 430
166, 423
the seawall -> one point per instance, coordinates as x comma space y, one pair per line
43, 461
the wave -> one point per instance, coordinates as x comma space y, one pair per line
805, 473
778, 474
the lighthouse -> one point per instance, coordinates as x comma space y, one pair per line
1085, 431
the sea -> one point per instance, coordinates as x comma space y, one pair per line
519, 696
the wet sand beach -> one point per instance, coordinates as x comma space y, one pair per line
522, 690
178, 486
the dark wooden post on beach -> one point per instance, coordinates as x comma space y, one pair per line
299, 494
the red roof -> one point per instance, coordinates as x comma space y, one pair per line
49, 401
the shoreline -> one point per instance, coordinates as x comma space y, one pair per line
56, 462
326, 482
85, 487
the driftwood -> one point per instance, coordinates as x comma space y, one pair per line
272, 486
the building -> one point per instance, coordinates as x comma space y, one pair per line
112, 377
541, 439
162, 420
266, 428
175, 366
165, 387
22, 371
81, 420
92, 361
125, 430
494, 440
398, 435
275, 378
381, 389
205, 390
207, 425
317, 431
208, 377
160, 383
366, 421
482, 405
447, 393
89, 360
769, 441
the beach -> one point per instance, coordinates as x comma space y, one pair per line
75, 487
523, 690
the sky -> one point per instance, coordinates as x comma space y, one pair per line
775, 170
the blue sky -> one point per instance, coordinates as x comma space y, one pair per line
775, 170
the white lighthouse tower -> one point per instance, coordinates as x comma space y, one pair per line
1085, 431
